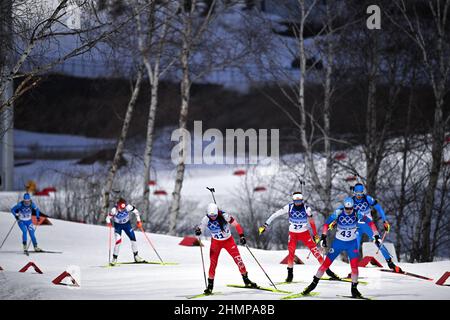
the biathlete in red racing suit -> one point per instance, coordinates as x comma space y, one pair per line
218, 223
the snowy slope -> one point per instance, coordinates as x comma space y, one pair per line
86, 246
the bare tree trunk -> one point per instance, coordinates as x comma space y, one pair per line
403, 181
6, 93
150, 134
371, 125
121, 142
191, 35
302, 108
439, 80
8, 33
327, 113
437, 68
149, 49
185, 95
428, 203
5, 36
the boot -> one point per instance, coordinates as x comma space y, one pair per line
37, 249
247, 281
393, 266
332, 275
24, 246
209, 289
290, 275
114, 260
311, 286
355, 292
137, 259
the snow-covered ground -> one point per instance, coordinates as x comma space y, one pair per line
86, 246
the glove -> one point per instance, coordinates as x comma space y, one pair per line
242, 240
387, 226
198, 231
332, 225
263, 228
108, 220
323, 240
17, 217
316, 238
139, 224
377, 240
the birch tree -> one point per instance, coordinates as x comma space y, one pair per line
153, 29
198, 42
432, 38
38, 25
121, 141
187, 42
312, 119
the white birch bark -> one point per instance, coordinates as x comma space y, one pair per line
121, 142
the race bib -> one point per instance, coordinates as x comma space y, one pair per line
346, 227
346, 235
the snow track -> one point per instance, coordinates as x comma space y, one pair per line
86, 246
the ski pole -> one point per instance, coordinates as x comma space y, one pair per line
15, 221
212, 193
203, 262
381, 243
109, 243
261, 267
308, 255
151, 244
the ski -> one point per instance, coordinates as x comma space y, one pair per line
45, 251
300, 295
203, 295
149, 262
407, 274
350, 297
110, 265
257, 288
344, 280
283, 283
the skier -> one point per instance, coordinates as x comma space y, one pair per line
299, 216
218, 222
364, 203
346, 219
121, 214
22, 212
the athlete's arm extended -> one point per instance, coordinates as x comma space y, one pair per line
277, 214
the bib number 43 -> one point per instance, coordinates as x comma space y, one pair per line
346, 233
